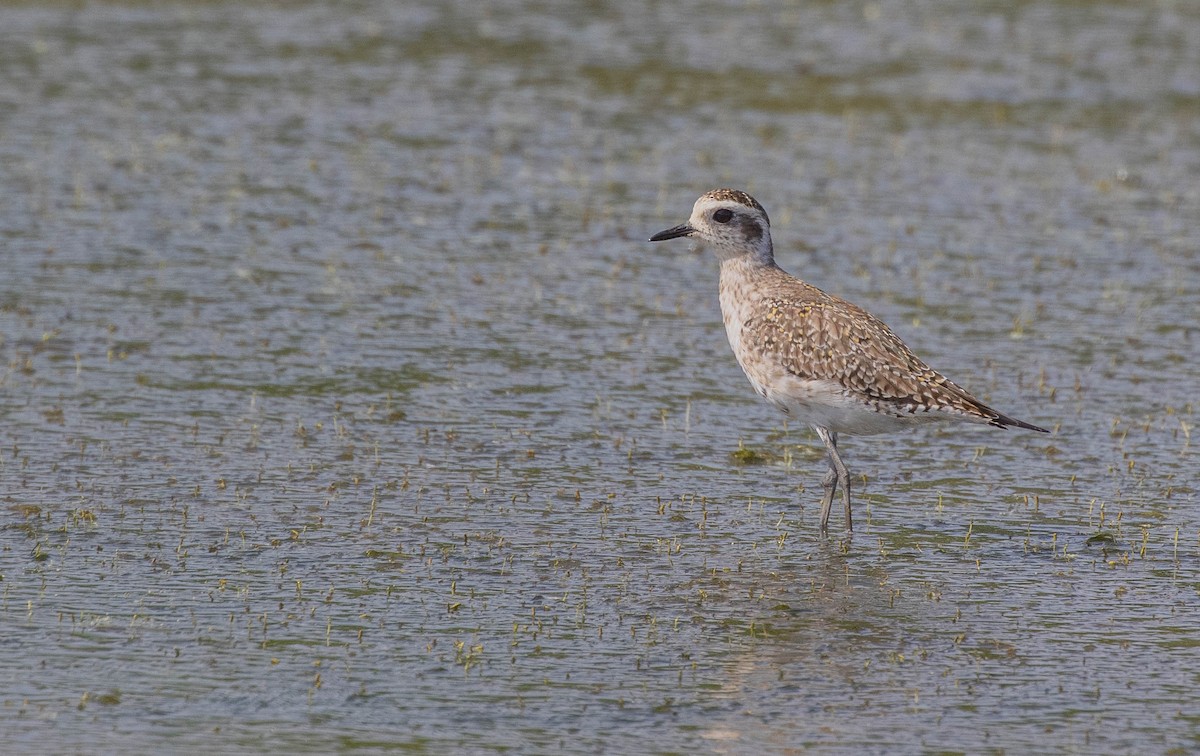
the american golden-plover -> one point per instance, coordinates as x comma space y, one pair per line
820, 359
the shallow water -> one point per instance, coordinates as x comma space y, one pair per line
344, 405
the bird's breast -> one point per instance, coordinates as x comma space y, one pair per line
738, 303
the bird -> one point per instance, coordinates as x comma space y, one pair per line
824, 361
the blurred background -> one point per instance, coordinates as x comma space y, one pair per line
344, 406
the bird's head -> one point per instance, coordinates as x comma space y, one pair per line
730, 222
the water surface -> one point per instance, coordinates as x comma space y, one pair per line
344, 406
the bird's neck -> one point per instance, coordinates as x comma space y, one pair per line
747, 265
740, 288
762, 254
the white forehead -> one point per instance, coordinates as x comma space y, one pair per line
706, 205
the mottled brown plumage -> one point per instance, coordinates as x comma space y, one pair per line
815, 336
823, 360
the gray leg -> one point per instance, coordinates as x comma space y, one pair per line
837, 475
829, 483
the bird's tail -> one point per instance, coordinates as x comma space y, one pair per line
1004, 421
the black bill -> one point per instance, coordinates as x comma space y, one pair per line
673, 233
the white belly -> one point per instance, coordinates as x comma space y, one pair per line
828, 405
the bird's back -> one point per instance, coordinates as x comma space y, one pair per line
830, 362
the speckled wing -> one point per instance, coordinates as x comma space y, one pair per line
816, 336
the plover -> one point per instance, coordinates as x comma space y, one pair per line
822, 360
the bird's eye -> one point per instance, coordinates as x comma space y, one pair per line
723, 215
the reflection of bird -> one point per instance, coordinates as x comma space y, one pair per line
821, 359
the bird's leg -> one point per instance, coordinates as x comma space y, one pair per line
837, 475
829, 483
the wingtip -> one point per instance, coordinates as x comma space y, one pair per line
1003, 421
